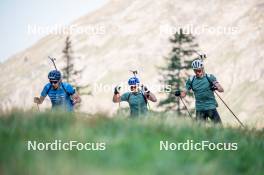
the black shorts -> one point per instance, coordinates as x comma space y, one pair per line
205, 114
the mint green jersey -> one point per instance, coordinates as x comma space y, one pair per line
204, 96
137, 103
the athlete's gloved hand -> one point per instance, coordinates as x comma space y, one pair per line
178, 93
214, 87
117, 90
146, 89
37, 100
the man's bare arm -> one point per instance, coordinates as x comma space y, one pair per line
219, 87
39, 100
116, 98
150, 96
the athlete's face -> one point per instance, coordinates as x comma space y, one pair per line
55, 83
199, 72
134, 88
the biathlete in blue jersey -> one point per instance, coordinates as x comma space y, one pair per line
62, 95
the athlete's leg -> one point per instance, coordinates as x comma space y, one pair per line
200, 116
214, 116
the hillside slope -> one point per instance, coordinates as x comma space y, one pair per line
134, 38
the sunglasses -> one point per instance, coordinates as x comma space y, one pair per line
54, 82
133, 87
198, 71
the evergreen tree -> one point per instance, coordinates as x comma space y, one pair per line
70, 73
176, 71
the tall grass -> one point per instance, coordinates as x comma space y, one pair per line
132, 145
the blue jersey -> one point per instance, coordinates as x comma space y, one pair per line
61, 97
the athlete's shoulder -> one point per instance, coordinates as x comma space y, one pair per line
46, 90
47, 86
191, 78
126, 94
66, 84
210, 76
68, 88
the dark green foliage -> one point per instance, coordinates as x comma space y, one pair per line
70, 74
176, 71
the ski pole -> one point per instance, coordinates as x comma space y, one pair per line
143, 90
148, 106
229, 109
201, 56
117, 88
134, 72
38, 107
186, 107
53, 61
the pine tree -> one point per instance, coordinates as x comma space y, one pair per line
70, 73
176, 71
